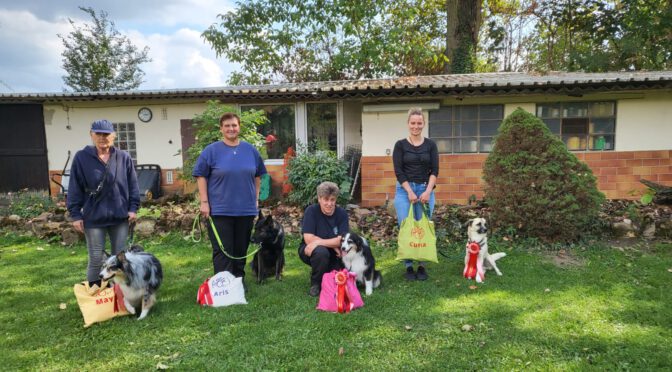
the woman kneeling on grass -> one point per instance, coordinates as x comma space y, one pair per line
323, 226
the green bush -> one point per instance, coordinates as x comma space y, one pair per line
207, 131
308, 169
535, 185
26, 203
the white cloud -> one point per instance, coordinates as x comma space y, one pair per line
31, 50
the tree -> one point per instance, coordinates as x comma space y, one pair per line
535, 186
302, 40
463, 26
98, 58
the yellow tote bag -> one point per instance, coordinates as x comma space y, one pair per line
98, 305
417, 239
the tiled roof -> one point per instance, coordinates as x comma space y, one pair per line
437, 85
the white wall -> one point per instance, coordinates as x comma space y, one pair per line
152, 138
644, 124
381, 130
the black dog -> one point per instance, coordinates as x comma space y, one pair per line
271, 257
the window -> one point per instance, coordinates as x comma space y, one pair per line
464, 129
126, 138
279, 131
322, 124
581, 125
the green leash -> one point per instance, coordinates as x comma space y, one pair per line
219, 241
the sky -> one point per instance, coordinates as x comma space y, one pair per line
30, 50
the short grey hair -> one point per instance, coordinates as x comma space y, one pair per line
415, 111
326, 189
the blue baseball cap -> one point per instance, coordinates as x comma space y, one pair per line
102, 126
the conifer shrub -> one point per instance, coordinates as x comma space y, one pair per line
536, 186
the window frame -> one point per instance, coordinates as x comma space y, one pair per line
454, 120
584, 144
271, 161
133, 153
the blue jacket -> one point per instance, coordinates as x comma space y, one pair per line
118, 196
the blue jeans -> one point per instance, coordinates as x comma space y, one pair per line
95, 242
402, 206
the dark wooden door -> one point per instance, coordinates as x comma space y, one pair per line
188, 133
23, 148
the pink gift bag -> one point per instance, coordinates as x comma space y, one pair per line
339, 292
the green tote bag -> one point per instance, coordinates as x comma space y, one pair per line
417, 239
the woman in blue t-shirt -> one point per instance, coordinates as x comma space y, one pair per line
228, 174
323, 226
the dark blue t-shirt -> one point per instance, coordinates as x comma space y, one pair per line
230, 172
325, 227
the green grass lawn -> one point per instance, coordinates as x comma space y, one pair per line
607, 309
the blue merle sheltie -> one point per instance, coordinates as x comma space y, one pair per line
358, 258
138, 274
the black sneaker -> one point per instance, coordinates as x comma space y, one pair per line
422, 273
314, 290
410, 274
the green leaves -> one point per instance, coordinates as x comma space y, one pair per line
534, 184
295, 40
308, 169
98, 58
207, 131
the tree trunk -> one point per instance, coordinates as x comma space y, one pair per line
451, 35
464, 23
663, 193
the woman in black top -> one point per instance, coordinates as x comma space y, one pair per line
416, 166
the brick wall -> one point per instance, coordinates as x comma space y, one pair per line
618, 175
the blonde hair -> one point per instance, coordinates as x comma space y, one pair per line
415, 111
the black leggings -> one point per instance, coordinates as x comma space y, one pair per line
234, 232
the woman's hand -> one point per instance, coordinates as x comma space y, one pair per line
412, 197
132, 217
424, 197
78, 225
205, 210
310, 247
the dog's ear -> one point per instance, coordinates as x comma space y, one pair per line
261, 215
269, 219
469, 223
121, 256
105, 255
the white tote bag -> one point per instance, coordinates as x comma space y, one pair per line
223, 289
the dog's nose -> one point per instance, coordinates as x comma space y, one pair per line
100, 276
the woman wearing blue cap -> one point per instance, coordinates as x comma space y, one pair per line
103, 195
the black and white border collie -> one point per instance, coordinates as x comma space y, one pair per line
138, 274
357, 257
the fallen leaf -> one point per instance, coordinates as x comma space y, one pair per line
161, 366
467, 328
40, 248
472, 287
62, 306
73, 252
547, 290
669, 270
341, 351
408, 327
506, 239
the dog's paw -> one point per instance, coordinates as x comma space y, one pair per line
143, 314
368, 292
129, 308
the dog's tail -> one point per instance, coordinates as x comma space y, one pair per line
498, 255
377, 279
